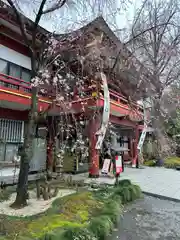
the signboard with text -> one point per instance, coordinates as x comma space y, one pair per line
119, 167
142, 138
106, 165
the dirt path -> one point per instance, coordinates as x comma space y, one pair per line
150, 219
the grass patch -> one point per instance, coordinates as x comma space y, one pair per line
81, 216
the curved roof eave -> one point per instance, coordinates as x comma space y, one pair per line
73, 40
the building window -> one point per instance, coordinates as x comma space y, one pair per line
11, 131
25, 75
15, 70
3, 66
11, 137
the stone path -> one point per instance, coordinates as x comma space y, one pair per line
149, 219
159, 182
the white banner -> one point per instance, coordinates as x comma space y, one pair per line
106, 165
142, 138
106, 113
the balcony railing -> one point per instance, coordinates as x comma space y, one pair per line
14, 83
21, 85
118, 98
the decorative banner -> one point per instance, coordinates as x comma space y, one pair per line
106, 113
106, 164
111, 174
119, 167
142, 138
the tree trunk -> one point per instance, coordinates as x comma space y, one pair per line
164, 143
27, 153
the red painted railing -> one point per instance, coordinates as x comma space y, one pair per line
14, 83
19, 84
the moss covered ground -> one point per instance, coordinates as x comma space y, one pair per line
170, 162
84, 215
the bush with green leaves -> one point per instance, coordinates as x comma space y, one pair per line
124, 183
128, 191
54, 235
150, 163
113, 209
101, 226
78, 234
172, 162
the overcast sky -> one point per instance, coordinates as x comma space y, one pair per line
76, 15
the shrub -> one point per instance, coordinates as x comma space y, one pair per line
150, 163
128, 193
116, 197
112, 209
103, 193
78, 234
172, 162
124, 182
135, 192
55, 235
101, 226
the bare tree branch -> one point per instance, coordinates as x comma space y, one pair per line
56, 6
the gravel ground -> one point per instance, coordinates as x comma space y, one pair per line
150, 219
34, 206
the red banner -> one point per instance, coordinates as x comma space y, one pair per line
119, 167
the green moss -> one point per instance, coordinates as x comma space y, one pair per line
74, 211
172, 162
49, 223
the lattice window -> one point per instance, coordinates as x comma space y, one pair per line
11, 131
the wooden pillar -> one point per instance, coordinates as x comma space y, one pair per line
135, 155
50, 156
93, 153
131, 153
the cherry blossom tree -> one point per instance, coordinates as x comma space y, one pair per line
43, 58
48, 72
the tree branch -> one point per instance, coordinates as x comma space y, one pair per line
56, 6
